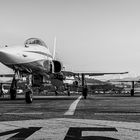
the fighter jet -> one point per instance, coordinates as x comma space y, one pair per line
34, 60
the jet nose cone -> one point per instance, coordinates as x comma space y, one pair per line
6, 56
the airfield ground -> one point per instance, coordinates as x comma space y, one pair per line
102, 112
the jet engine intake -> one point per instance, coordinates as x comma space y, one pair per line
57, 66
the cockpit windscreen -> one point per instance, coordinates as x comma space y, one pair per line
35, 41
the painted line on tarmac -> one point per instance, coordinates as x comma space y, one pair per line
67, 129
26, 113
134, 114
72, 107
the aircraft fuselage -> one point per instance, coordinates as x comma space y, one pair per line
30, 57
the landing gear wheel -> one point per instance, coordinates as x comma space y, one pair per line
132, 92
13, 93
29, 97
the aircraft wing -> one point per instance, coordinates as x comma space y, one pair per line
124, 81
133, 79
69, 73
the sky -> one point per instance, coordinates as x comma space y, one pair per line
92, 35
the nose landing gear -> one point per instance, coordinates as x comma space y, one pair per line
28, 90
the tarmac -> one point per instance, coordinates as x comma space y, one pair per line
69, 129
99, 117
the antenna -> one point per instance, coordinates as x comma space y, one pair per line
54, 48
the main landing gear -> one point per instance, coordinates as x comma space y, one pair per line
29, 96
29, 91
132, 91
13, 89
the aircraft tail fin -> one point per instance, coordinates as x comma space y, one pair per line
54, 49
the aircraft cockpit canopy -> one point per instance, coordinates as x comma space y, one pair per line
35, 41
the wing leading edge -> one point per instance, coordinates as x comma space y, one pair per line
70, 73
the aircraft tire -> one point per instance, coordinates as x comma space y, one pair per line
13, 94
29, 97
132, 92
